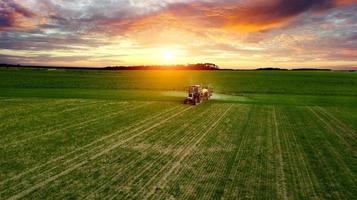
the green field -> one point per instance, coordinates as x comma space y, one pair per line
69, 134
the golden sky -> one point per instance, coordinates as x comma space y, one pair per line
229, 33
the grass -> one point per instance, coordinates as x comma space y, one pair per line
119, 135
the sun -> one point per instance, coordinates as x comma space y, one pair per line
168, 56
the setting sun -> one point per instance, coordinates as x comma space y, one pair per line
168, 56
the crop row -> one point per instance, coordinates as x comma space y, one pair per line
162, 150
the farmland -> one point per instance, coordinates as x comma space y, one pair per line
127, 135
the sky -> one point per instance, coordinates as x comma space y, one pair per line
240, 34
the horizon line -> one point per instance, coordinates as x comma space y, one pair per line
332, 68
127, 67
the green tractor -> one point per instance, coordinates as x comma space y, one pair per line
198, 94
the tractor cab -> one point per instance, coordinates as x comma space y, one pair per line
193, 94
196, 94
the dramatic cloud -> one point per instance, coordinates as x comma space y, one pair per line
240, 33
240, 16
14, 15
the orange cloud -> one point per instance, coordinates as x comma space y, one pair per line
248, 16
15, 16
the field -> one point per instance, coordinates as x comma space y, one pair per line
127, 135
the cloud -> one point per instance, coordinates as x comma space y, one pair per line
227, 29
122, 16
241, 16
13, 15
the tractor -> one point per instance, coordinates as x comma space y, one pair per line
197, 94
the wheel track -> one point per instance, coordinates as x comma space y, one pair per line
249, 150
78, 165
333, 130
147, 166
86, 146
346, 128
346, 170
56, 128
252, 149
300, 159
66, 127
340, 160
281, 183
193, 129
215, 171
163, 181
15, 135
29, 110
175, 156
234, 169
272, 179
312, 180
337, 124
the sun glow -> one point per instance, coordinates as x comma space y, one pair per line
168, 56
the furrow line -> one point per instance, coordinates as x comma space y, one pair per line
333, 130
30, 110
137, 125
100, 147
192, 129
163, 180
332, 150
281, 183
343, 126
171, 161
253, 166
303, 159
55, 126
300, 159
232, 175
78, 165
72, 126
273, 180
145, 167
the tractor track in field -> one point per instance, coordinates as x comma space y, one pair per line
281, 183
176, 155
232, 171
37, 107
252, 148
307, 179
53, 115
78, 165
272, 178
163, 180
215, 170
339, 124
67, 125
298, 159
30, 110
338, 157
80, 124
86, 146
333, 130
55, 127
194, 128
148, 165
78, 156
